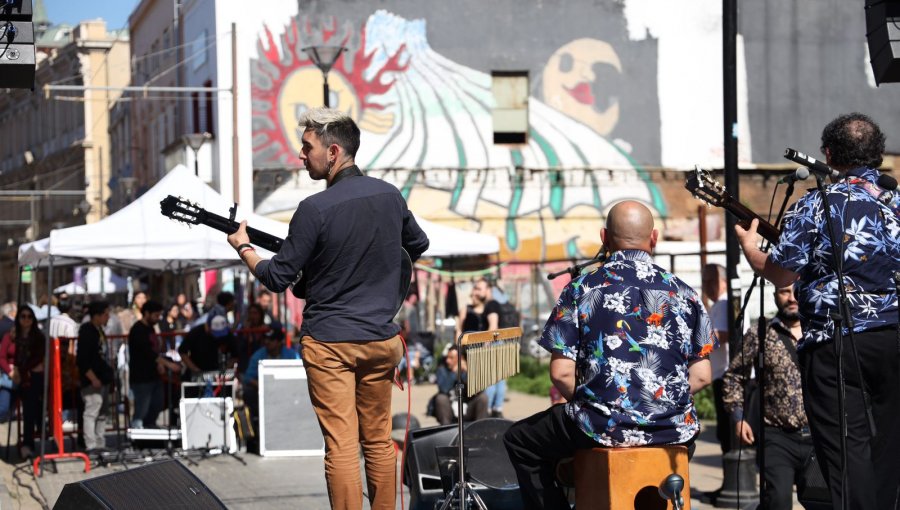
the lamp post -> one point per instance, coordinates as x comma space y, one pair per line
324, 57
195, 141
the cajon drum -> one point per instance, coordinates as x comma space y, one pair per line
628, 478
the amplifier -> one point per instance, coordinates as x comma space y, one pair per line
287, 422
202, 425
198, 389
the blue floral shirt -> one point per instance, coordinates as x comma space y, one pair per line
632, 328
871, 248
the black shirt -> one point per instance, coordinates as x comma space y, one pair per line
347, 240
489, 308
204, 348
143, 349
92, 350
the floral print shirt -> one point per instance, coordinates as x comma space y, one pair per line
869, 219
783, 395
632, 328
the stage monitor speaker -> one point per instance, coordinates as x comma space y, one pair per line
883, 34
202, 424
160, 485
287, 421
490, 471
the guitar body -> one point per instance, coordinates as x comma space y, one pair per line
187, 212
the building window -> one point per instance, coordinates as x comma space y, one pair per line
202, 110
510, 115
198, 51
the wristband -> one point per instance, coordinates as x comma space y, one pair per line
245, 250
242, 246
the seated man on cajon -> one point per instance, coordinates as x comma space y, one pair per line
636, 339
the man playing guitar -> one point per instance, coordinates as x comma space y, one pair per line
348, 240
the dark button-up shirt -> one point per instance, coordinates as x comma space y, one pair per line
640, 326
347, 240
783, 395
871, 248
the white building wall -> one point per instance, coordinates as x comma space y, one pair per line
216, 17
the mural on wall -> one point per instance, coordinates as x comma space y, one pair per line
426, 126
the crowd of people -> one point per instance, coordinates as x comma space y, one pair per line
123, 359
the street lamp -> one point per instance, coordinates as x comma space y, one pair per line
195, 141
324, 57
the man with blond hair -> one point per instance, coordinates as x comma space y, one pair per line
348, 239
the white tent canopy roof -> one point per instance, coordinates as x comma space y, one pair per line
139, 236
447, 241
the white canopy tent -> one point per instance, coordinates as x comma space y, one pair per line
447, 241
139, 236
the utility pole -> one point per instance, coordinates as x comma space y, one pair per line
235, 160
730, 125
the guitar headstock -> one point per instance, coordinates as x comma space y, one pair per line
702, 185
182, 210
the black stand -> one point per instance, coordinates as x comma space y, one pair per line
760, 364
459, 490
840, 318
575, 269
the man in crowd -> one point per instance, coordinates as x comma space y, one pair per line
349, 237
273, 348
63, 325
264, 300
788, 442
490, 319
96, 375
444, 401
205, 346
146, 363
715, 288
866, 229
629, 344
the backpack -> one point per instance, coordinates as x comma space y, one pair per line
509, 316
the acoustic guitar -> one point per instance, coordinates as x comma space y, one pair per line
701, 184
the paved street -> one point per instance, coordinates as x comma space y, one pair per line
299, 482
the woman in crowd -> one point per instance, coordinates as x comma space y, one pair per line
27, 349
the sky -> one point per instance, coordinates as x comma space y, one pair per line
114, 12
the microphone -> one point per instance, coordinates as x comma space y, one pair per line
812, 163
670, 490
889, 185
801, 174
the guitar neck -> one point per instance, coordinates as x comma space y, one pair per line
745, 216
257, 237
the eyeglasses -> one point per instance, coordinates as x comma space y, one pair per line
29, 317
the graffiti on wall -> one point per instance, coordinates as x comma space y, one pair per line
426, 126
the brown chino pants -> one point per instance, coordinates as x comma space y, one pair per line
350, 389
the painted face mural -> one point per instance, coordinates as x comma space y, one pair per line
426, 125
580, 80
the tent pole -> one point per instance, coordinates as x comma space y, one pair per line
43, 423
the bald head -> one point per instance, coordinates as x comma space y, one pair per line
629, 226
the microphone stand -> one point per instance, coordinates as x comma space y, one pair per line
574, 270
841, 317
761, 331
462, 489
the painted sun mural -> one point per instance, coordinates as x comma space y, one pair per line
426, 126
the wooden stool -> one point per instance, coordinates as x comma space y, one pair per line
628, 478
